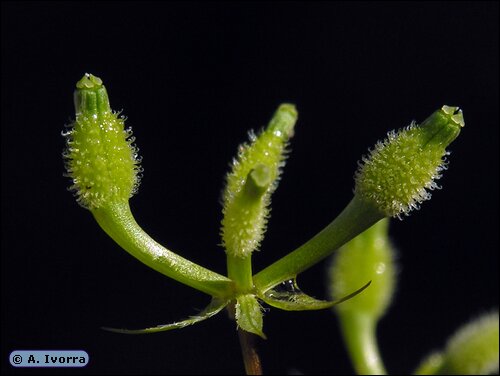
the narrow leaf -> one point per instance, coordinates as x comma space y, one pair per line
289, 297
215, 306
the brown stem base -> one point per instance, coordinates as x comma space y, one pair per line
249, 352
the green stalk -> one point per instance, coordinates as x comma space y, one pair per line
118, 222
354, 219
359, 335
239, 270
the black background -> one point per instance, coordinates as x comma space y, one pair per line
192, 78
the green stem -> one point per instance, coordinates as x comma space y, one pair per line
359, 332
118, 222
354, 219
239, 270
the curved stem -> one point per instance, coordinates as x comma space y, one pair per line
354, 219
359, 332
118, 222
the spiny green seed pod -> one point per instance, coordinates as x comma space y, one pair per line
254, 177
369, 256
399, 172
99, 155
473, 349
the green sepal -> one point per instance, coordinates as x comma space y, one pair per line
248, 314
443, 126
215, 306
293, 299
90, 97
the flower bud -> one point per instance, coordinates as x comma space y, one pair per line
399, 172
99, 155
254, 177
